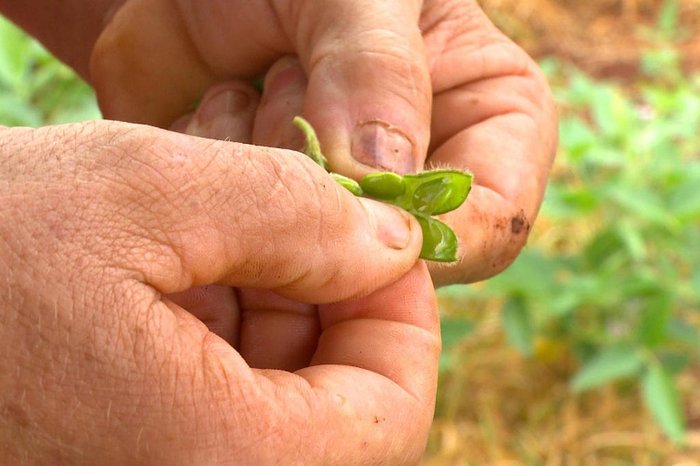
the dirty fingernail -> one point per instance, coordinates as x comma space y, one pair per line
379, 145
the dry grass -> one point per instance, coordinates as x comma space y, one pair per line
497, 408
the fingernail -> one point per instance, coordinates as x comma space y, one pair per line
226, 102
286, 75
380, 145
218, 113
180, 125
392, 225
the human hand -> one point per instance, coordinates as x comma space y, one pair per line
372, 78
101, 221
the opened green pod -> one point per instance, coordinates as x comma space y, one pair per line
438, 192
439, 241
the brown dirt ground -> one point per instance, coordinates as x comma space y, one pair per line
603, 37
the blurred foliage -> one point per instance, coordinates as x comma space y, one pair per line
35, 88
611, 275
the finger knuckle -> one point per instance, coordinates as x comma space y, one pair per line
381, 50
303, 198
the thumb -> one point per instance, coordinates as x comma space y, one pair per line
206, 212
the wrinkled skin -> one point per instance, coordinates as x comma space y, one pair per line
435, 81
104, 227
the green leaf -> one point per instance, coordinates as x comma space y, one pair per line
612, 113
532, 275
518, 325
604, 246
87, 111
565, 202
15, 59
632, 238
685, 200
453, 330
438, 191
439, 241
577, 137
668, 19
674, 362
610, 364
684, 332
653, 329
457, 292
383, 185
662, 400
695, 279
644, 205
15, 111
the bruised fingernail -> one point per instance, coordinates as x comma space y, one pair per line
392, 225
380, 145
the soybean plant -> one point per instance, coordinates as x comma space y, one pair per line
423, 194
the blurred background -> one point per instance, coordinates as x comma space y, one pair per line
587, 350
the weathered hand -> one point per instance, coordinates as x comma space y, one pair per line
373, 68
100, 366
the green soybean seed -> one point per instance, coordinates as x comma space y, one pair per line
313, 148
383, 185
439, 241
348, 183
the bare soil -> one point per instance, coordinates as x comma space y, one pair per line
604, 37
